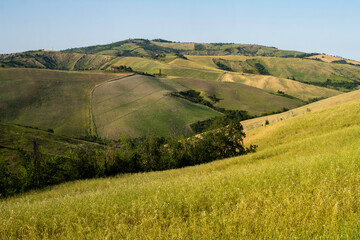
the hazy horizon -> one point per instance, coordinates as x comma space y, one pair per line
329, 27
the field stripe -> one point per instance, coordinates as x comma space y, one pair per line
93, 130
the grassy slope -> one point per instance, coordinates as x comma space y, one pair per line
302, 69
327, 58
14, 137
200, 67
309, 70
273, 84
240, 96
332, 101
302, 183
48, 99
138, 105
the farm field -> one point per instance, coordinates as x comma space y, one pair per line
140, 105
49, 99
273, 84
309, 70
301, 183
238, 96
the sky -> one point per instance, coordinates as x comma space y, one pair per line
323, 26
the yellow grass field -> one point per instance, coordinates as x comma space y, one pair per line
328, 59
274, 84
326, 103
302, 183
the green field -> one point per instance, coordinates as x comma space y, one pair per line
299, 69
139, 105
309, 70
48, 99
238, 96
14, 137
301, 183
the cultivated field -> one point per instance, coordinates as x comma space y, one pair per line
139, 105
48, 99
238, 96
274, 84
309, 70
302, 183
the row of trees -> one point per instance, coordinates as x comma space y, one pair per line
36, 169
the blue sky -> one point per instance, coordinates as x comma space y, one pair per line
321, 26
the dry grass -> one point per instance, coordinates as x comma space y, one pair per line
274, 84
328, 59
303, 183
326, 103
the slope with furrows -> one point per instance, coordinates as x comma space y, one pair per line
237, 96
140, 105
46, 99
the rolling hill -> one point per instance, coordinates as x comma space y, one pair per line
149, 48
246, 77
323, 104
139, 105
273, 84
301, 183
48, 99
237, 96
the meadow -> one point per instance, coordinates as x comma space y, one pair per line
301, 183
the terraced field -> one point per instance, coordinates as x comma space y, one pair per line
138, 105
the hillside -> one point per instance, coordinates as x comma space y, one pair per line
327, 58
200, 61
305, 92
323, 104
302, 183
139, 105
330, 75
48, 99
149, 48
237, 96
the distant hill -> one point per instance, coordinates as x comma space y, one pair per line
254, 78
154, 48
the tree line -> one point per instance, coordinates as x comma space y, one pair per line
38, 169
